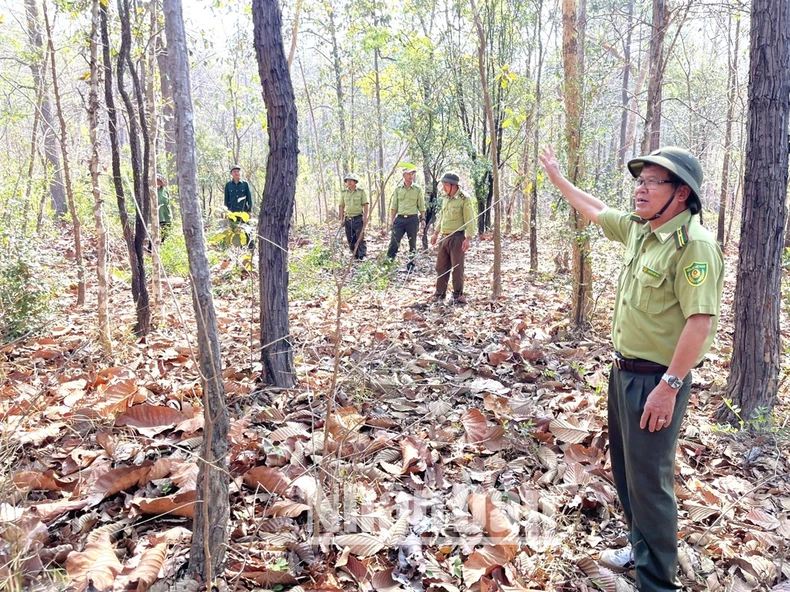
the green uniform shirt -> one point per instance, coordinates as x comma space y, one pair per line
163, 203
353, 201
238, 197
668, 275
408, 202
457, 213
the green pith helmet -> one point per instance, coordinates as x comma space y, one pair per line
678, 161
451, 178
351, 177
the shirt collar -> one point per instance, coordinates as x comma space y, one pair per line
670, 227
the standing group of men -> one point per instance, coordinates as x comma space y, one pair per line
455, 225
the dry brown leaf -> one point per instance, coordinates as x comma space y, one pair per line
382, 581
493, 521
285, 508
499, 406
484, 560
149, 416
699, 512
415, 453
270, 578
270, 479
763, 518
180, 504
96, 566
475, 425
185, 474
603, 578
147, 571
361, 544
568, 431
121, 478
36, 480
495, 358
576, 475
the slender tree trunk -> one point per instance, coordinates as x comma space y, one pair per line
98, 200
210, 525
143, 325
337, 71
652, 137
319, 156
496, 285
64, 148
757, 343
33, 145
150, 99
139, 290
278, 193
533, 196
621, 149
56, 186
294, 33
732, 73
168, 120
573, 25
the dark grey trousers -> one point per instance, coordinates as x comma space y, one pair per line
643, 465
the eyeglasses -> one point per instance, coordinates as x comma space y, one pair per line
649, 184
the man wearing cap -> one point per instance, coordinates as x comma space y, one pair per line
456, 225
354, 215
237, 192
665, 317
163, 206
407, 210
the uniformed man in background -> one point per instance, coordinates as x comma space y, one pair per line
237, 192
456, 226
665, 317
354, 215
407, 210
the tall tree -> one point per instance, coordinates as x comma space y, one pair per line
153, 133
496, 287
652, 136
210, 525
56, 186
533, 194
64, 150
98, 199
732, 86
757, 343
573, 27
279, 191
130, 234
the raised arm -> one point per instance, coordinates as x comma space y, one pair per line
589, 206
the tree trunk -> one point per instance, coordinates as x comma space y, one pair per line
278, 193
533, 194
212, 509
496, 284
168, 120
56, 187
139, 289
336, 70
64, 149
143, 325
573, 25
150, 99
33, 145
624, 95
652, 137
757, 343
383, 214
98, 200
732, 83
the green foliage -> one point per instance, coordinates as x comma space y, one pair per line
236, 234
173, 254
761, 422
25, 290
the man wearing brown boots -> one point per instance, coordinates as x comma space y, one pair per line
456, 225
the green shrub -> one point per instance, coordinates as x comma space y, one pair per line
25, 293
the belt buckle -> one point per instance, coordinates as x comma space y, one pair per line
405, 215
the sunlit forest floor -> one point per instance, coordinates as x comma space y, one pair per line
466, 448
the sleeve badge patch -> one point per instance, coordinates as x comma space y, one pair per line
696, 273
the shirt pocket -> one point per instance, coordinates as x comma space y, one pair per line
652, 296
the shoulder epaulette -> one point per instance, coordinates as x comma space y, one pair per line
681, 237
637, 219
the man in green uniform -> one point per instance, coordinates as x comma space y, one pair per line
456, 225
407, 209
354, 215
237, 192
665, 317
163, 205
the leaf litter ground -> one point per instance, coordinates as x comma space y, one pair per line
466, 449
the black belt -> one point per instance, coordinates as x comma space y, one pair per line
637, 365
407, 215
353, 217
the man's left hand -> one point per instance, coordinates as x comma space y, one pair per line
465, 244
659, 407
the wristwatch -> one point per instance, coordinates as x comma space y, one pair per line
673, 381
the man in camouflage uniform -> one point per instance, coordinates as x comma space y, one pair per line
665, 317
354, 215
407, 210
456, 225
